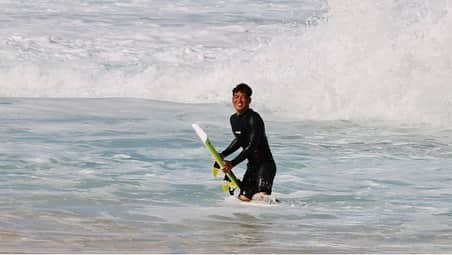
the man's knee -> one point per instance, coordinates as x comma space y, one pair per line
244, 198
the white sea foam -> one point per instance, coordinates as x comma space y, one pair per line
363, 60
368, 60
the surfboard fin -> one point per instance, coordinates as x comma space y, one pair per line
215, 169
215, 172
225, 186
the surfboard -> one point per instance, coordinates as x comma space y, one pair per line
234, 182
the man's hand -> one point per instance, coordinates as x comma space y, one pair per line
227, 166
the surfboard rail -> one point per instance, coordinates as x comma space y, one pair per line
214, 153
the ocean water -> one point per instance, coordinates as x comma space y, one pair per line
97, 99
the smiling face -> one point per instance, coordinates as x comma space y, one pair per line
241, 102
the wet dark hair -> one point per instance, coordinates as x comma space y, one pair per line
244, 88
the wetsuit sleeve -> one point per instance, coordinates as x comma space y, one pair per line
256, 126
235, 145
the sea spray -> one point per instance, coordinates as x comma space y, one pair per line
367, 60
360, 60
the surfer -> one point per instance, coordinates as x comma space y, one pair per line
249, 131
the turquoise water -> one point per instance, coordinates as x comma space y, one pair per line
130, 175
355, 94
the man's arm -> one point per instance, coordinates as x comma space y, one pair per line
231, 148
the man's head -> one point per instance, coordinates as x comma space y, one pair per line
241, 97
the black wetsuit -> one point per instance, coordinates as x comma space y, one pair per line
249, 131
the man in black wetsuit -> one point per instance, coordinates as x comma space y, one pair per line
249, 131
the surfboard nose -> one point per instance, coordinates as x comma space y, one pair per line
202, 135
